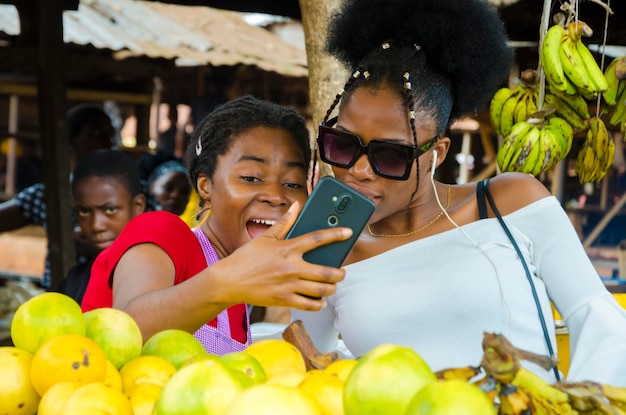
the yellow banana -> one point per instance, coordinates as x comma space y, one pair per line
616, 395
514, 401
563, 110
463, 373
620, 68
551, 62
574, 68
545, 398
610, 95
586, 162
512, 145
587, 397
551, 144
591, 66
496, 104
604, 146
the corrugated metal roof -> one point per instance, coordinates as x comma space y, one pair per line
191, 35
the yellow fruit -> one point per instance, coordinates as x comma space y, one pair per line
98, 396
17, 395
450, 397
246, 364
384, 380
143, 398
270, 399
43, 317
201, 357
206, 387
146, 369
277, 356
174, 345
326, 389
54, 399
341, 368
112, 377
69, 357
116, 332
291, 379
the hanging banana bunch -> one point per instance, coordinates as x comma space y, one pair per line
510, 106
536, 145
568, 64
615, 95
596, 154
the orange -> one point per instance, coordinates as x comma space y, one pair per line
98, 396
69, 357
269, 399
246, 364
17, 395
53, 400
174, 345
326, 389
43, 317
143, 398
146, 369
277, 356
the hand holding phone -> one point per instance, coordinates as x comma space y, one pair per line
332, 204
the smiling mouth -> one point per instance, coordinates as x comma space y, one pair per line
256, 227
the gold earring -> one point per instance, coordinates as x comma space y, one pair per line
203, 214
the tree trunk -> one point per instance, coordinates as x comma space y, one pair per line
326, 75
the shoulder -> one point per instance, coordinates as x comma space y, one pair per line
514, 191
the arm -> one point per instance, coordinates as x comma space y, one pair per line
268, 271
11, 216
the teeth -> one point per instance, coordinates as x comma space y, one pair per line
264, 222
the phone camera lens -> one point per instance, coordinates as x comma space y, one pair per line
343, 203
333, 220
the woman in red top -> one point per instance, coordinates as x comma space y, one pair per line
249, 161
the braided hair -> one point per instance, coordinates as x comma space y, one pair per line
216, 131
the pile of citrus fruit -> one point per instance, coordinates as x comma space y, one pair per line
96, 363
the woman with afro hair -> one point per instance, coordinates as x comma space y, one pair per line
434, 270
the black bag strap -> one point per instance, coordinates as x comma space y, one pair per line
487, 193
480, 199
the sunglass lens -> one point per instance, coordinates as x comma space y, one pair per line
389, 159
339, 149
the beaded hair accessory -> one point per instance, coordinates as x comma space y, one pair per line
199, 146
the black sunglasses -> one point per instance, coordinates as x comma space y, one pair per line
389, 160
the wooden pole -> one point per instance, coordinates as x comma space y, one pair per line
326, 75
51, 84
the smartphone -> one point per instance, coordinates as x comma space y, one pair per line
332, 204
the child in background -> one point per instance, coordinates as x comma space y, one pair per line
107, 194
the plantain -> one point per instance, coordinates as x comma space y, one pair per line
565, 111
465, 373
616, 395
512, 145
620, 68
587, 397
545, 398
591, 66
551, 61
497, 103
574, 68
610, 95
576, 101
564, 131
514, 401
551, 153
507, 115
618, 113
529, 153
587, 162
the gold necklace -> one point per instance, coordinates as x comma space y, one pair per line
369, 229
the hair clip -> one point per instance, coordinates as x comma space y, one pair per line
386, 45
417, 47
406, 76
407, 85
366, 75
199, 147
356, 74
412, 115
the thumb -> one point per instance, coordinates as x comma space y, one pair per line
280, 229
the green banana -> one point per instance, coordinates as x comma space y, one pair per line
520, 113
529, 153
563, 110
576, 101
610, 95
507, 116
591, 65
511, 145
574, 68
551, 144
496, 104
618, 113
551, 62
564, 131
604, 146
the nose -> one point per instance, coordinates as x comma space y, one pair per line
274, 194
98, 222
362, 169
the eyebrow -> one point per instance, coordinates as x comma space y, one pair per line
264, 161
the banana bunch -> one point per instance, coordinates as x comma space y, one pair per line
572, 108
568, 64
596, 154
615, 95
510, 106
535, 146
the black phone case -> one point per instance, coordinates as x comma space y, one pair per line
332, 204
